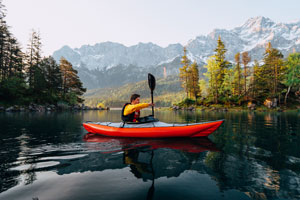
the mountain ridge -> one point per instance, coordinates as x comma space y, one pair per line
251, 36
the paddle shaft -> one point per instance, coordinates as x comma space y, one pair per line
152, 102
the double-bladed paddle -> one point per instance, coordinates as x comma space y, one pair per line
151, 83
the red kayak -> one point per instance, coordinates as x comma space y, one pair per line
113, 144
152, 129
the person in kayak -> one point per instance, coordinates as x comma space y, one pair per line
131, 111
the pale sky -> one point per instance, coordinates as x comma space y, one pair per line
163, 22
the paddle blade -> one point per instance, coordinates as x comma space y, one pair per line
151, 81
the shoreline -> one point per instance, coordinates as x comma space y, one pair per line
48, 108
217, 108
235, 108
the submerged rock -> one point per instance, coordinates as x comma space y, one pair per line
191, 108
175, 108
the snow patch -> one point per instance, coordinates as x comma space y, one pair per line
167, 61
191, 57
97, 57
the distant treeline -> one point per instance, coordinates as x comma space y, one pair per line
28, 78
275, 79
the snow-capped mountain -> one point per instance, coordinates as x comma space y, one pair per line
252, 36
109, 54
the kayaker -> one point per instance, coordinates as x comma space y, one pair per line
131, 111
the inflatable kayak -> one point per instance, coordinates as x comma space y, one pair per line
153, 129
116, 144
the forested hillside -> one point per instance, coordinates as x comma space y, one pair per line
167, 92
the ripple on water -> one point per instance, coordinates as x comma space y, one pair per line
68, 157
47, 156
38, 165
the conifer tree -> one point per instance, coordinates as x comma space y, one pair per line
273, 70
12, 84
245, 59
2, 10
15, 59
33, 56
53, 79
184, 72
10, 51
238, 73
222, 65
39, 85
254, 79
3, 40
194, 79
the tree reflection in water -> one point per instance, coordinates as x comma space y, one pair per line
138, 168
133, 147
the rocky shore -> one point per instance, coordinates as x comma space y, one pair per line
202, 108
268, 105
48, 108
249, 107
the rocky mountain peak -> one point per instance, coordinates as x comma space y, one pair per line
256, 24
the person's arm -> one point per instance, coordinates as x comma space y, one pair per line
132, 108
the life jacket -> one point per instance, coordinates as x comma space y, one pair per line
131, 117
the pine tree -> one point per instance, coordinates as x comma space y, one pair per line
273, 69
254, 79
39, 85
245, 59
194, 79
53, 78
33, 56
15, 59
238, 74
10, 51
3, 41
184, 72
2, 10
222, 65
12, 85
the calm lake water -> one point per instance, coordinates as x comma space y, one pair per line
49, 156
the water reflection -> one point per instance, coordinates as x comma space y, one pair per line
139, 154
113, 144
254, 155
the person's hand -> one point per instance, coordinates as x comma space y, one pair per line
151, 104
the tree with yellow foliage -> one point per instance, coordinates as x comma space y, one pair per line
72, 87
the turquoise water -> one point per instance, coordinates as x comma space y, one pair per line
50, 156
